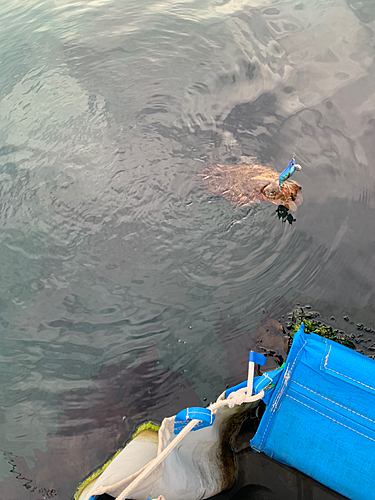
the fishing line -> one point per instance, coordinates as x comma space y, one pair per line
292, 166
299, 131
302, 157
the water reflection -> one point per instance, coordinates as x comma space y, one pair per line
109, 246
95, 422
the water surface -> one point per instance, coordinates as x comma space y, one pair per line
122, 281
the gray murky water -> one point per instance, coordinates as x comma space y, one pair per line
122, 280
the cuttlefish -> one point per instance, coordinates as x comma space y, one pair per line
248, 183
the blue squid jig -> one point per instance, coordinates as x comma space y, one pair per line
289, 171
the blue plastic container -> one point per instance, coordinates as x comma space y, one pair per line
321, 416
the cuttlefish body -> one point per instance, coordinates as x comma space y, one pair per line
249, 183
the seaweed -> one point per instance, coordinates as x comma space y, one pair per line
313, 325
149, 426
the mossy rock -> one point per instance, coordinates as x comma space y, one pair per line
313, 325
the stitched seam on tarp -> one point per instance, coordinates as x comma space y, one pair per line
330, 418
334, 402
282, 390
260, 381
353, 379
193, 415
326, 358
287, 377
265, 375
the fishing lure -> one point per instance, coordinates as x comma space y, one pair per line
289, 171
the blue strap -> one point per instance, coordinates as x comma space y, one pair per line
184, 416
94, 497
266, 381
288, 172
257, 358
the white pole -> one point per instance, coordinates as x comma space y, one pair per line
259, 359
250, 378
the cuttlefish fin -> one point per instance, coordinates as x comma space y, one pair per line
290, 205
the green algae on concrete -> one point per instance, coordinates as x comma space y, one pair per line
312, 325
149, 426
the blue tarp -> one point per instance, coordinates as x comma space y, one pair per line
321, 416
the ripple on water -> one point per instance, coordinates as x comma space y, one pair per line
109, 245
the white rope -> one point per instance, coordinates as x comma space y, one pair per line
158, 460
236, 398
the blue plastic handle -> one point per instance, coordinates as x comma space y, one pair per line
195, 413
257, 358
